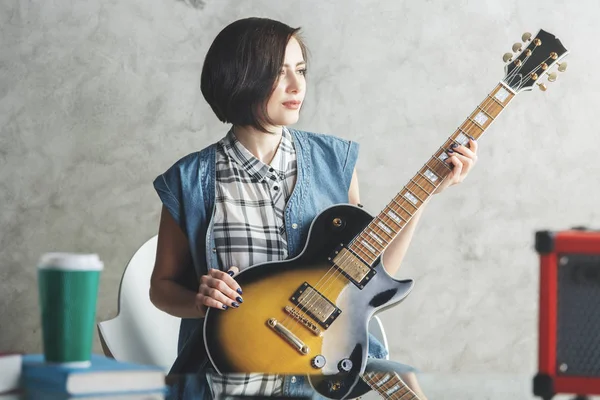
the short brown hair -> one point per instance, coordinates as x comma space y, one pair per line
241, 68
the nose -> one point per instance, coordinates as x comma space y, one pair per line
295, 84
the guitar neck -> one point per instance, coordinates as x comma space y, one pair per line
389, 385
374, 239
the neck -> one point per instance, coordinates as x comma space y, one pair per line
262, 145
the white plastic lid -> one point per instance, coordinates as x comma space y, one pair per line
71, 262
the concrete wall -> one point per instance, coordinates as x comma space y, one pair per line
97, 98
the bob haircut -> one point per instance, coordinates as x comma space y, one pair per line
241, 68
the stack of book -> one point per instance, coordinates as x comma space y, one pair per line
106, 378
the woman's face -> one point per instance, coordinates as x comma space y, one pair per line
284, 104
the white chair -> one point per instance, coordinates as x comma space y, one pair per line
143, 334
140, 333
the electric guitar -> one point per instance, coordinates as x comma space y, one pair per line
309, 315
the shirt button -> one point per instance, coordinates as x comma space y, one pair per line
214, 250
271, 170
294, 226
275, 187
293, 380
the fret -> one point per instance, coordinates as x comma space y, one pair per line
420, 187
402, 207
412, 195
368, 246
445, 165
485, 112
496, 101
378, 238
464, 134
475, 123
408, 202
492, 108
429, 177
356, 249
472, 124
366, 258
395, 218
369, 242
437, 167
385, 228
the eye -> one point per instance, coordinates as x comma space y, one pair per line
302, 71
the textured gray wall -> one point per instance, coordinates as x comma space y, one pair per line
97, 98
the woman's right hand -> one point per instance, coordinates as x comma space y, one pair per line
219, 290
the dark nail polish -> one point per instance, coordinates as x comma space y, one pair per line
234, 304
450, 151
454, 145
225, 307
239, 299
239, 291
230, 273
471, 137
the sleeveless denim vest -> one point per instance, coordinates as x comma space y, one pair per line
187, 189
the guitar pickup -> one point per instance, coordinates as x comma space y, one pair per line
311, 302
352, 267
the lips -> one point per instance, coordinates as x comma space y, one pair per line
292, 104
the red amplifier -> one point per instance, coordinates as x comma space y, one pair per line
569, 313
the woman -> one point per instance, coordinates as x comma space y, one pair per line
250, 197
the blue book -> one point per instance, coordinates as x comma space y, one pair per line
104, 376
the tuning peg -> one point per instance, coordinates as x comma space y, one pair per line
526, 36
517, 47
562, 67
507, 57
552, 76
542, 87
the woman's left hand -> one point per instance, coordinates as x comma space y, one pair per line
463, 159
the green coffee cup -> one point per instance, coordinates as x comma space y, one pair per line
68, 289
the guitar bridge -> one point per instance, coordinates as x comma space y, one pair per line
303, 320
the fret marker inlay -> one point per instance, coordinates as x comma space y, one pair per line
431, 176
501, 94
462, 139
368, 246
481, 118
410, 197
384, 227
374, 236
394, 217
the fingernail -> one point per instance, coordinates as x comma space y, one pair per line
454, 145
471, 137
225, 307
230, 272
239, 290
450, 151
234, 304
239, 299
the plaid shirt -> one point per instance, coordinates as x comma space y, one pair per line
249, 229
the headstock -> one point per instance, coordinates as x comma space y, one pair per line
533, 61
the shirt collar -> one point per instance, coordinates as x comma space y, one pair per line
252, 165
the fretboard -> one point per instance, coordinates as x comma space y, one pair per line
374, 239
389, 385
